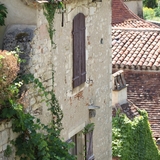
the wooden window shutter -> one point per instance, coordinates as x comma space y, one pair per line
89, 145
79, 61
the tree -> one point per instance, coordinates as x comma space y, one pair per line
150, 3
3, 14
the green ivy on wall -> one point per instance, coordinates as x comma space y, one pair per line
132, 140
49, 12
35, 141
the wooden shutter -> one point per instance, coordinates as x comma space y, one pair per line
89, 145
79, 62
83, 49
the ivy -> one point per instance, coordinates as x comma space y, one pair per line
49, 12
133, 139
88, 128
8, 151
35, 141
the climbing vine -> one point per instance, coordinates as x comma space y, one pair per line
132, 140
88, 128
49, 12
35, 141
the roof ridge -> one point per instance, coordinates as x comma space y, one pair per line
121, 13
136, 29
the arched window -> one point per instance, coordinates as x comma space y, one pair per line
79, 60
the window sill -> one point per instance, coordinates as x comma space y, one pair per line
76, 90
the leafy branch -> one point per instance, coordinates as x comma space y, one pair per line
133, 139
49, 12
35, 141
3, 14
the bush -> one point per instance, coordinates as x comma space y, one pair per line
3, 14
132, 140
148, 13
150, 3
9, 67
157, 12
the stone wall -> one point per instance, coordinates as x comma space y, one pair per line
136, 6
6, 135
18, 13
74, 102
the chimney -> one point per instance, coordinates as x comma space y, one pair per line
119, 88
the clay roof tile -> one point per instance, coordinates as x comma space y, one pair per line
135, 42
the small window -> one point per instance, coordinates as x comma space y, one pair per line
79, 60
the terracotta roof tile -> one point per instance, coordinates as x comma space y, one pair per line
144, 91
124, 18
129, 109
135, 42
136, 47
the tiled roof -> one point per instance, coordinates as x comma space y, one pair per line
120, 12
129, 109
124, 18
134, 23
135, 42
136, 46
136, 49
144, 91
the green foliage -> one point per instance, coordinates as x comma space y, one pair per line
132, 140
3, 14
49, 12
9, 67
157, 12
8, 151
148, 13
151, 14
88, 128
36, 141
150, 3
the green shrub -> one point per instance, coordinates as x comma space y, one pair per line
148, 13
157, 12
132, 140
9, 67
150, 3
3, 14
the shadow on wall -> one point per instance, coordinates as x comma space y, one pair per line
19, 36
18, 13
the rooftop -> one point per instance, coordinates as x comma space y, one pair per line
135, 42
129, 109
136, 49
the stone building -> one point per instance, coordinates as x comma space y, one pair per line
78, 97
